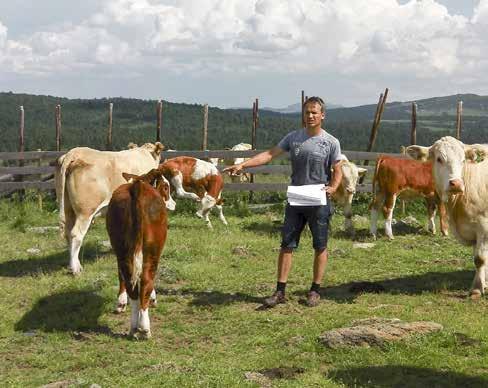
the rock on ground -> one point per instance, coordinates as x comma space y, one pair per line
375, 332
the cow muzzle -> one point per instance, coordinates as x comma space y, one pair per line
456, 186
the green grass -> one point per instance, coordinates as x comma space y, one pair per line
207, 329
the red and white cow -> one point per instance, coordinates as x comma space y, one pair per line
198, 180
137, 226
408, 178
461, 180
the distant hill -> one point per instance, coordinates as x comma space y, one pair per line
84, 123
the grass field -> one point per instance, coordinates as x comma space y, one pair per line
208, 329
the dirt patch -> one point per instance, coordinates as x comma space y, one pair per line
464, 340
375, 332
264, 377
242, 251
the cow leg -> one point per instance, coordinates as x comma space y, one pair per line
221, 214
348, 225
146, 290
122, 299
177, 182
443, 218
375, 206
480, 259
77, 235
208, 202
388, 214
431, 209
153, 301
134, 316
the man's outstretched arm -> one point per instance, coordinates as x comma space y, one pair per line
257, 160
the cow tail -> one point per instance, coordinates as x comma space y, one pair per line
137, 212
375, 177
60, 182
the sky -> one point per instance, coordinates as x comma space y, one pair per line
228, 52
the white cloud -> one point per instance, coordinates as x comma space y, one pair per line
354, 38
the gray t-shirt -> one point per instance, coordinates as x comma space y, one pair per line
311, 156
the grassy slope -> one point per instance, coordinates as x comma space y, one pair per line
206, 329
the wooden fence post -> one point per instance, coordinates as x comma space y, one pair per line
255, 120
459, 119
20, 178
57, 121
413, 131
376, 123
303, 112
159, 112
109, 131
205, 127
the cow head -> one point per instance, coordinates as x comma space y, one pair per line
350, 176
157, 180
448, 157
154, 148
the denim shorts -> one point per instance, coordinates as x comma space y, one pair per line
296, 217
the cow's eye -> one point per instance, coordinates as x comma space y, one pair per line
439, 160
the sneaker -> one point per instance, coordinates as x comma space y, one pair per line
313, 299
277, 298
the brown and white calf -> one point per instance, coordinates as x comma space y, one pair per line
346, 190
198, 180
461, 180
137, 226
410, 179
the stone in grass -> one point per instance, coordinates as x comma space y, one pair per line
59, 384
42, 229
34, 251
242, 251
363, 245
263, 377
375, 332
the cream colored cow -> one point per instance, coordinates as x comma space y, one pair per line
460, 174
346, 190
229, 162
85, 181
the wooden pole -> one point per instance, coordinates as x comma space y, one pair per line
205, 128
255, 118
57, 121
159, 114
413, 131
109, 131
459, 119
303, 111
21, 130
376, 123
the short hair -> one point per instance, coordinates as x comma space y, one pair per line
315, 100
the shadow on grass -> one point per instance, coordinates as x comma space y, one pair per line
66, 311
404, 376
212, 298
48, 264
409, 285
365, 235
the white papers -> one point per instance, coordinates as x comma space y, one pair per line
306, 195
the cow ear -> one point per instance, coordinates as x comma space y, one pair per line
475, 153
418, 152
131, 145
362, 171
128, 176
158, 147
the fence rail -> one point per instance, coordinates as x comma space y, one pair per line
40, 183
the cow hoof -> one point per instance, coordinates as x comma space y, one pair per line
390, 238
121, 307
75, 271
373, 236
445, 233
199, 215
475, 294
209, 225
140, 335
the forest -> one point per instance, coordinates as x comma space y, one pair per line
85, 123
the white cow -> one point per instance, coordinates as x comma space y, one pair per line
460, 174
229, 162
346, 190
85, 181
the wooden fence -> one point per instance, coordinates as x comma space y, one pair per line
35, 169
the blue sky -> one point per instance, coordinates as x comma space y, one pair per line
228, 53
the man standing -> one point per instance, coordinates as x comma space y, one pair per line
313, 153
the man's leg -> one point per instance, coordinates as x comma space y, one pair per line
318, 222
292, 228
